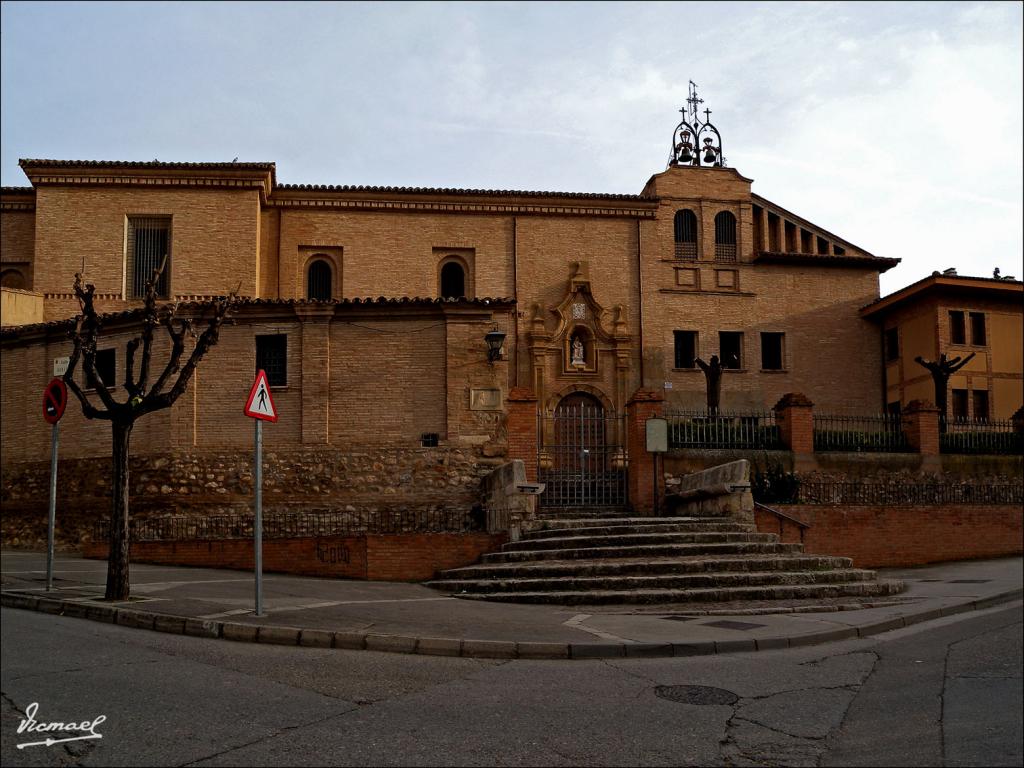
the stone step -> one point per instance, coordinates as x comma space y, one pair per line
647, 566
626, 528
645, 551
723, 594
638, 539
563, 513
569, 523
687, 581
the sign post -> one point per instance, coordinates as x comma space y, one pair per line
55, 400
657, 442
260, 406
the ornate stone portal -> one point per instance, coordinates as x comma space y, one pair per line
587, 349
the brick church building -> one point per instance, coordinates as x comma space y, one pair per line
369, 308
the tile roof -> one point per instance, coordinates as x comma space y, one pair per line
33, 163
858, 262
457, 191
938, 281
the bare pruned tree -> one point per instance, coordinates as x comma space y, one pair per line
142, 397
941, 370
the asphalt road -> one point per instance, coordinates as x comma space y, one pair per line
946, 692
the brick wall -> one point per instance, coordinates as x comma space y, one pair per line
215, 238
398, 557
895, 536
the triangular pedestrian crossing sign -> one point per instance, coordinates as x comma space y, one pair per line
260, 404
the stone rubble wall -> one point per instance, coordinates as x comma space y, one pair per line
363, 482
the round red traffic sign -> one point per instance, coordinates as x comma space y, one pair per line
55, 400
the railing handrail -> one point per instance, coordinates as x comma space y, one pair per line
783, 515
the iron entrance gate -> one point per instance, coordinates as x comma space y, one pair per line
580, 457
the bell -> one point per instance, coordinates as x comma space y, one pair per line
685, 156
709, 156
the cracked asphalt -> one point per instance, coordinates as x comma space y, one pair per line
945, 692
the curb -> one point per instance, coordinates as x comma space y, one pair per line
273, 634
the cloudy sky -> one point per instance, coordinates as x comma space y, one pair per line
897, 126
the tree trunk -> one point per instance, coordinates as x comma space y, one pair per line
117, 563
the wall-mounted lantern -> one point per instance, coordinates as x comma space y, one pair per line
494, 339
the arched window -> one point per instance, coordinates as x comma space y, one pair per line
725, 237
12, 278
318, 281
686, 234
453, 280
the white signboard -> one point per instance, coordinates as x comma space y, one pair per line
60, 365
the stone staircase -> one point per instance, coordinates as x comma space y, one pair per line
596, 559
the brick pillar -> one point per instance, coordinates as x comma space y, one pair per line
794, 414
643, 405
316, 371
921, 427
1018, 420
522, 429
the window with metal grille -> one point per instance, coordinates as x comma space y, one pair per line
957, 328
725, 237
106, 367
686, 349
318, 281
149, 241
686, 234
730, 349
771, 351
978, 329
980, 397
429, 439
892, 344
272, 357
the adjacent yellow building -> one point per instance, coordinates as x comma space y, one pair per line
955, 315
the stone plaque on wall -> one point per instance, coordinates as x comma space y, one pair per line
485, 399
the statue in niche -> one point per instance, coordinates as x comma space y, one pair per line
713, 376
578, 361
941, 370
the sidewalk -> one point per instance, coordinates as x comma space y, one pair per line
409, 618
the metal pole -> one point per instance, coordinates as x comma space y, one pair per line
53, 506
258, 522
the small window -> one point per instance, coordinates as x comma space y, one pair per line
453, 281
894, 409
149, 242
892, 344
730, 349
957, 328
686, 349
980, 397
106, 367
771, 351
272, 357
978, 329
960, 405
12, 278
429, 439
725, 237
686, 234
318, 281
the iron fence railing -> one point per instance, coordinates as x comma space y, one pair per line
699, 429
881, 432
828, 492
992, 436
297, 524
